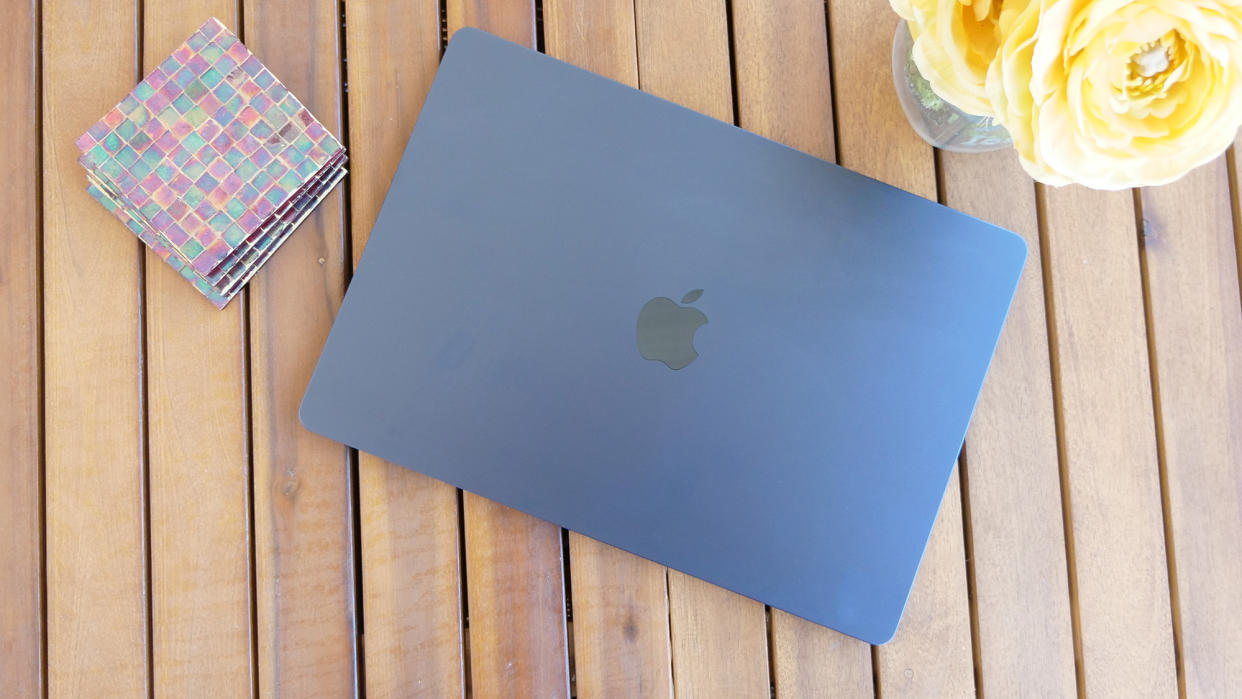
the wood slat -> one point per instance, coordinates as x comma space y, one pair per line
597, 35
21, 577
199, 467
784, 92
784, 81
932, 652
621, 623
719, 639
1196, 331
873, 136
683, 54
517, 603
514, 570
411, 574
509, 19
1109, 450
1026, 643
95, 495
304, 575
620, 601
809, 660
394, 52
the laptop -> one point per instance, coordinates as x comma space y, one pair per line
666, 333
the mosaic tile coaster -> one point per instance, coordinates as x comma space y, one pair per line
220, 295
249, 262
213, 157
211, 161
262, 237
217, 298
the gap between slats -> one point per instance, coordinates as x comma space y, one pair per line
737, 119
1231, 163
832, 89
41, 398
465, 608
355, 491
248, 423
971, 590
539, 46
144, 401
567, 585
1140, 225
239, 11
1041, 210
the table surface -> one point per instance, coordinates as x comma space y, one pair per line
169, 528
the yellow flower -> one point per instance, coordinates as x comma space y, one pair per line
1118, 93
954, 42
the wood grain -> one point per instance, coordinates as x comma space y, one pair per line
597, 35
683, 54
1196, 331
304, 575
411, 574
509, 19
96, 552
96, 303
621, 622
199, 467
784, 81
514, 570
873, 135
620, 601
1026, 643
518, 644
809, 660
1109, 443
394, 51
932, 652
719, 642
784, 92
21, 575
719, 639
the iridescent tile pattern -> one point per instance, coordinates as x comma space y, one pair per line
211, 161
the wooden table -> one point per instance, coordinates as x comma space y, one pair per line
169, 528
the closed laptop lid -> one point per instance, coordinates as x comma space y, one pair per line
668, 334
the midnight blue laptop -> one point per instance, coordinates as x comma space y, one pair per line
668, 334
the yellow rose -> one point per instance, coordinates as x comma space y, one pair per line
1118, 93
954, 42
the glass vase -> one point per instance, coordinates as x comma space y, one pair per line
938, 122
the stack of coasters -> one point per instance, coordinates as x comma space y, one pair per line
211, 162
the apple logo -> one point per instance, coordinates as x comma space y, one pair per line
666, 330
